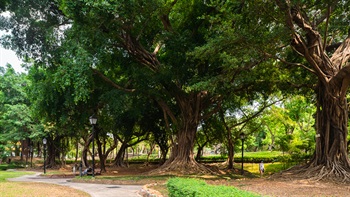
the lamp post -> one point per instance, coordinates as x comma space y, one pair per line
31, 155
44, 142
93, 121
242, 136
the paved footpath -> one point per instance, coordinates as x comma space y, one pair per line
95, 190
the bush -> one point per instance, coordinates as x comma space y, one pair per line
185, 187
257, 157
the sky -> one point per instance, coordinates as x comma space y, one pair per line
9, 57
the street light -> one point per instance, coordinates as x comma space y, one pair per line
242, 136
93, 121
44, 142
31, 155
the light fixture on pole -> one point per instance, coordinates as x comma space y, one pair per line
44, 142
242, 136
93, 121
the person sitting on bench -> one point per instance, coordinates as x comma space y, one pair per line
87, 170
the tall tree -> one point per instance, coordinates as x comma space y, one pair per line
318, 32
315, 27
149, 48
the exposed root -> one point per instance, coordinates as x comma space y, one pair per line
334, 172
183, 168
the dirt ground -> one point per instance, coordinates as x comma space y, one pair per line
265, 186
292, 188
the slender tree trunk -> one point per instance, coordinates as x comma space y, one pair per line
119, 159
163, 153
85, 151
151, 146
199, 152
230, 158
101, 148
76, 151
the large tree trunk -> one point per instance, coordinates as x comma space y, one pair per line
330, 159
51, 152
182, 159
330, 156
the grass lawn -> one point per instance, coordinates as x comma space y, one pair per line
270, 168
30, 189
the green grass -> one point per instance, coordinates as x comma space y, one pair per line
12, 174
179, 187
270, 168
261, 154
4, 167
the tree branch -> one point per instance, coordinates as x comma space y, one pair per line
290, 63
135, 49
255, 114
109, 81
342, 79
342, 54
166, 111
165, 17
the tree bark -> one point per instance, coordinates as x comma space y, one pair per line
331, 126
330, 159
51, 152
119, 159
230, 158
181, 158
101, 148
85, 150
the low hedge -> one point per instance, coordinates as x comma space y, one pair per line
251, 157
185, 187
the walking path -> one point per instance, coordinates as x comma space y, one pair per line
95, 190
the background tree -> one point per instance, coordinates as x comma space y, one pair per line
16, 123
